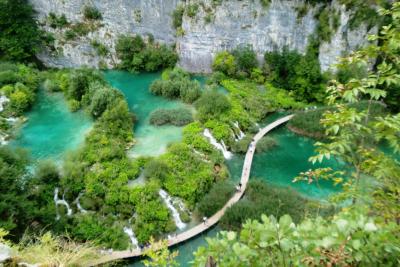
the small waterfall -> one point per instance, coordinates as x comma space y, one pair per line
168, 201
241, 133
3, 140
78, 204
62, 201
220, 146
3, 100
132, 237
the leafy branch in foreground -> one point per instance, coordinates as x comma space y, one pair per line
159, 254
349, 239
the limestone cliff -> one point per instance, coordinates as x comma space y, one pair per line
213, 28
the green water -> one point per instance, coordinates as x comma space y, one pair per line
51, 129
151, 140
281, 164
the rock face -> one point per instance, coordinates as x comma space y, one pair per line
212, 29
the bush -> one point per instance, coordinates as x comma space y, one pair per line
135, 55
246, 58
242, 145
191, 10
91, 13
176, 84
307, 123
265, 144
177, 16
263, 198
101, 49
224, 62
212, 104
156, 169
57, 21
20, 37
296, 73
177, 117
219, 194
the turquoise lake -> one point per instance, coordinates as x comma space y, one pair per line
51, 129
151, 140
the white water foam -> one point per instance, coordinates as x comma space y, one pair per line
220, 146
132, 237
175, 214
62, 201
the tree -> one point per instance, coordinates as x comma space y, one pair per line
353, 136
348, 239
20, 36
212, 104
246, 58
159, 254
224, 62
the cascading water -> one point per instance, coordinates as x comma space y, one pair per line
78, 204
62, 201
241, 133
3, 100
220, 146
168, 201
132, 237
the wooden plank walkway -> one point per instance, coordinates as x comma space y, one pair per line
198, 229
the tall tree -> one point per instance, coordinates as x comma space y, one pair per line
20, 36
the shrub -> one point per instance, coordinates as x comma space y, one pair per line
101, 49
191, 10
224, 62
51, 86
57, 21
136, 55
265, 144
242, 145
91, 13
212, 104
219, 194
177, 16
177, 117
263, 198
246, 58
296, 73
156, 169
177, 84
20, 37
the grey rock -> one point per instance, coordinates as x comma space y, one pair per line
234, 23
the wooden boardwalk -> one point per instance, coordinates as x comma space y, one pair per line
198, 229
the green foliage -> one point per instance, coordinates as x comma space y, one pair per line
19, 83
97, 229
266, 143
159, 255
57, 21
101, 49
136, 55
263, 198
246, 59
347, 239
211, 105
177, 84
177, 117
298, 74
13, 200
191, 10
91, 13
219, 194
177, 16
224, 62
308, 122
20, 36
